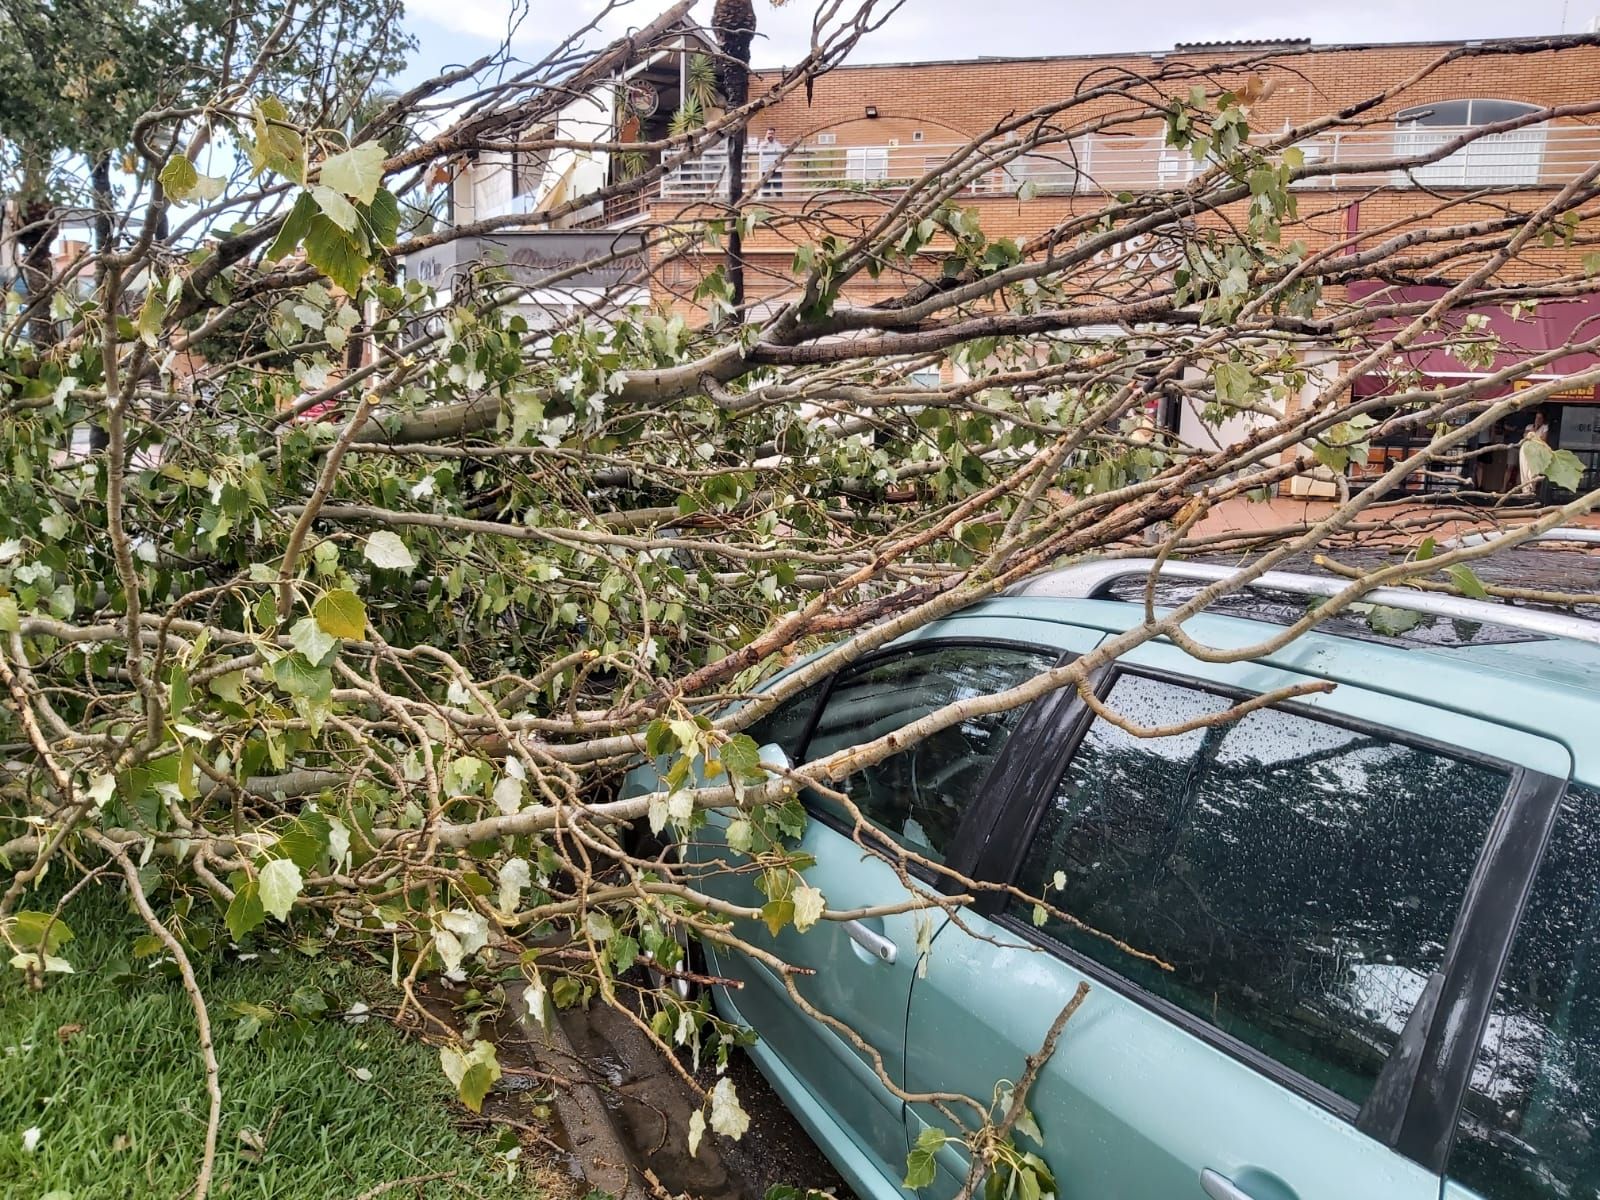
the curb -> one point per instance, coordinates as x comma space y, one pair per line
591, 1131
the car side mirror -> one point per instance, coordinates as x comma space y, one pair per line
773, 755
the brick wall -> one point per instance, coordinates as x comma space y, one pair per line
950, 102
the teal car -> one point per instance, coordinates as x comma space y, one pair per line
1342, 948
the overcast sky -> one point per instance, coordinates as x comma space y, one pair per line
458, 30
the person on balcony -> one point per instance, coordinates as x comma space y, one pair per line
769, 158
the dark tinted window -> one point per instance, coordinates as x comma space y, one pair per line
1299, 879
786, 724
1531, 1125
919, 796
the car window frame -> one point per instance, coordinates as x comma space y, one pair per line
1424, 1092
993, 793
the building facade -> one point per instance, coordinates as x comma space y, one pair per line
833, 160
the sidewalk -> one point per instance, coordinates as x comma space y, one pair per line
1289, 514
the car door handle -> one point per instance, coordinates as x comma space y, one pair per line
873, 942
1220, 1187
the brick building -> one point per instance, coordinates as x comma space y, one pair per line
838, 159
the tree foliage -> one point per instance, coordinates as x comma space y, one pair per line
358, 649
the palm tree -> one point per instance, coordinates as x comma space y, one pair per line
734, 23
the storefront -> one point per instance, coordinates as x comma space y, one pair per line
1568, 419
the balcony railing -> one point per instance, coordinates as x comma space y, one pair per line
1538, 156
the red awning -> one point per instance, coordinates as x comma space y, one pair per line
1552, 324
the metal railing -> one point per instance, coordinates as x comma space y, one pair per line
1538, 156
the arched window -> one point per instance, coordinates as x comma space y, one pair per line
1498, 159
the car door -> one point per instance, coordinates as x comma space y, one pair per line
842, 1040
1269, 918
1528, 1128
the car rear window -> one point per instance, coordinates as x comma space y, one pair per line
1293, 881
1366, 622
1530, 1128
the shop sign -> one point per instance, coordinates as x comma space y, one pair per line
530, 258
1572, 395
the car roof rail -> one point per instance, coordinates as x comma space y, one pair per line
1562, 533
1091, 581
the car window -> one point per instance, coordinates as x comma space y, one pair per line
1295, 881
918, 797
785, 726
1530, 1128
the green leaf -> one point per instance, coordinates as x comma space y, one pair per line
227, 687
1233, 382
475, 1085
1537, 456
296, 676
1565, 470
624, 951
178, 178
1426, 550
383, 218
29, 928
182, 182
245, 910
1392, 622
357, 172
151, 315
308, 1002
10, 618
279, 884
742, 758
1467, 583
687, 733
658, 737
277, 146
305, 841
295, 227
471, 1072
809, 906
385, 549
335, 207
338, 253
777, 914
920, 1170
341, 614
1028, 1125
307, 636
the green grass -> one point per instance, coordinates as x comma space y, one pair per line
121, 1104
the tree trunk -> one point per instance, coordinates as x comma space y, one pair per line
100, 179
735, 240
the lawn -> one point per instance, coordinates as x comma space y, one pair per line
104, 1065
